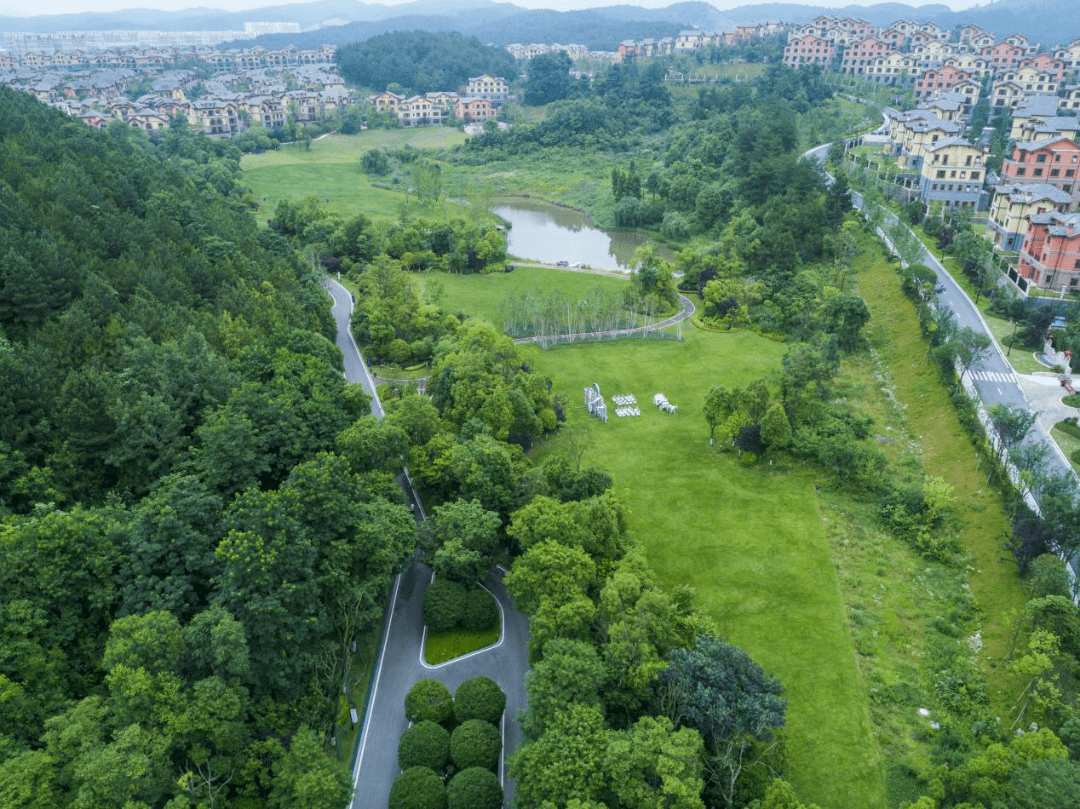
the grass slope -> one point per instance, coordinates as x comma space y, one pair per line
750, 542
947, 452
331, 170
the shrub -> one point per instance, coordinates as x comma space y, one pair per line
479, 698
429, 699
418, 788
476, 743
474, 788
480, 611
425, 744
444, 603
1047, 576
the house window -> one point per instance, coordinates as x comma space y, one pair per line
1040, 158
1037, 173
1055, 172
1021, 172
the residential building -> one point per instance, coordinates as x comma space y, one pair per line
861, 55
1031, 79
970, 32
1006, 94
493, 88
1020, 42
1050, 254
1032, 108
1053, 161
1066, 126
472, 110
914, 132
808, 50
948, 106
1044, 63
971, 63
1070, 56
1003, 55
1013, 203
688, 41
939, 80
897, 69
1071, 100
952, 173
386, 101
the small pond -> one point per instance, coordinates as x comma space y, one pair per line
540, 231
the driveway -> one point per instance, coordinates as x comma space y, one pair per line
400, 662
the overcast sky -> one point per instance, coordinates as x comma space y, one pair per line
25, 8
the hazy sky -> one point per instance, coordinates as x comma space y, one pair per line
23, 8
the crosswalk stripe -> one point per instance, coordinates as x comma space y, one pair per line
993, 376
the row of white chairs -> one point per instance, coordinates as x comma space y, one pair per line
627, 411
628, 399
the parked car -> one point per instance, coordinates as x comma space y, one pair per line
562, 263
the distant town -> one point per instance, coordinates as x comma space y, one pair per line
940, 76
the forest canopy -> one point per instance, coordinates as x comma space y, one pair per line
421, 61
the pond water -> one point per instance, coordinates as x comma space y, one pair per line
549, 233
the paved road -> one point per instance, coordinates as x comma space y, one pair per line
993, 376
400, 662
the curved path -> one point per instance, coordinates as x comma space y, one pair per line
400, 662
687, 310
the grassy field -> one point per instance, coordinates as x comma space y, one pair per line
581, 179
482, 295
331, 170
440, 647
751, 541
947, 452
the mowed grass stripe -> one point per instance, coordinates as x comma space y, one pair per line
751, 543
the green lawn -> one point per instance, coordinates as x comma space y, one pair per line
750, 540
482, 295
331, 170
442, 646
1068, 442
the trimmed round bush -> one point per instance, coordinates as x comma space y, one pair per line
474, 788
425, 744
476, 743
418, 788
480, 611
479, 698
444, 603
431, 700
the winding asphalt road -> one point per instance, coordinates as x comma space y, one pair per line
993, 376
400, 662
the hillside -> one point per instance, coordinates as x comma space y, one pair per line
183, 559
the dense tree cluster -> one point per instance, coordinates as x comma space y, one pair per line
186, 558
421, 61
